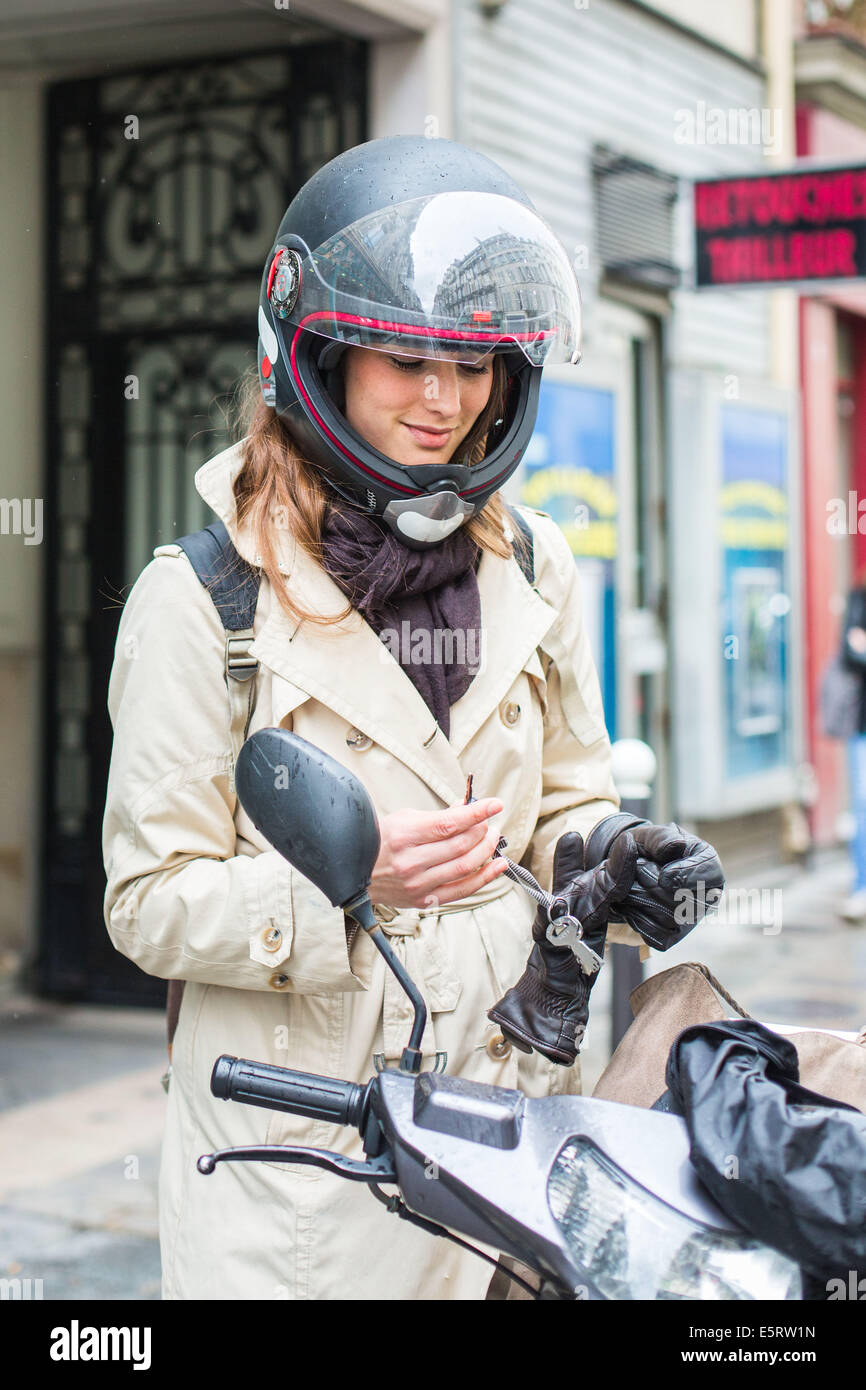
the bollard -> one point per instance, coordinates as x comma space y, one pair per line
634, 766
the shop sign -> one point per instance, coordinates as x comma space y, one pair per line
803, 225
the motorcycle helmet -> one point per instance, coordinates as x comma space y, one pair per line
417, 247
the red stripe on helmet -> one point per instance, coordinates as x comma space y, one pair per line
272, 271
418, 332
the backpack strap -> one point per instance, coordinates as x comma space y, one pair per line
233, 585
524, 554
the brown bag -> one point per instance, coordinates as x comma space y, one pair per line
667, 1003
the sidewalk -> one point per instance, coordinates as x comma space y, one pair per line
81, 1116
81, 1104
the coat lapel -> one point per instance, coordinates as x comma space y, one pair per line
514, 620
349, 669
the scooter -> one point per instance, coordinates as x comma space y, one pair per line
598, 1199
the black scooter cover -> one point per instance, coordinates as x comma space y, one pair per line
786, 1163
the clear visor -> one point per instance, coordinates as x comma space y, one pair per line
448, 275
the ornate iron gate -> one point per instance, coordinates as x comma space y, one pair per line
165, 188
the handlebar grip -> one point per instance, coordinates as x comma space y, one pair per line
278, 1088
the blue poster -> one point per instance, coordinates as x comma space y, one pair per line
569, 472
754, 535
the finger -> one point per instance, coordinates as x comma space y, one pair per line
621, 863
441, 825
438, 852
567, 860
661, 843
455, 870
464, 887
703, 867
464, 865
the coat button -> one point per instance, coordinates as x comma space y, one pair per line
272, 938
509, 712
498, 1047
357, 740
278, 980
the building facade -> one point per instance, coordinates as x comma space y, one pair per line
148, 153
671, 455
147, 159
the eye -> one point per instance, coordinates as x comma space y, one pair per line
410, 364
407, 364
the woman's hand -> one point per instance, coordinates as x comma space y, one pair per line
673, 874
432, 857
548, 1008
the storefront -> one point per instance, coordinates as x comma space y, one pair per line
670, 455
833, 377
595, 465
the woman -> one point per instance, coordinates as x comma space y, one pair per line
407, 306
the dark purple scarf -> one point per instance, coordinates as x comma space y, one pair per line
423, 604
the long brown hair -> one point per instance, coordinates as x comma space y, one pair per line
278, 486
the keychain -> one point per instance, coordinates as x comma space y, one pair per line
563, 928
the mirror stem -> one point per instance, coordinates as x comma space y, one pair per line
361, 909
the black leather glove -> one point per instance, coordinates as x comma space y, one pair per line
678, 877
548, 1007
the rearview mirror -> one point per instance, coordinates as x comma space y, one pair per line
312, 809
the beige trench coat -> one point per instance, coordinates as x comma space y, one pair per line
194, 892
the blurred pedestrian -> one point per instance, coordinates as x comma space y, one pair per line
853, 653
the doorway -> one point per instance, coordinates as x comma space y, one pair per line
165, 188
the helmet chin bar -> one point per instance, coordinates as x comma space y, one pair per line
424, 521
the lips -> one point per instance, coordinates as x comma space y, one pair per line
429, 439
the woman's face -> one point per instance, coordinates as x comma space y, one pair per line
414, 409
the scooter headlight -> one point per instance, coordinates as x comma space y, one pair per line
632, 1245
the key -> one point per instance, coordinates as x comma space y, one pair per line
568, 931
565, 930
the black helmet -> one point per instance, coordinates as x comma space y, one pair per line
419, 246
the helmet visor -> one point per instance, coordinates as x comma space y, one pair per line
447, 275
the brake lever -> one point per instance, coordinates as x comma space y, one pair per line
379, 1169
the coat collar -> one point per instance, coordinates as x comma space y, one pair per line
348, 668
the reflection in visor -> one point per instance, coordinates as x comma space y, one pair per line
462, 268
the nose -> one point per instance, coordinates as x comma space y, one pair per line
442, 394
